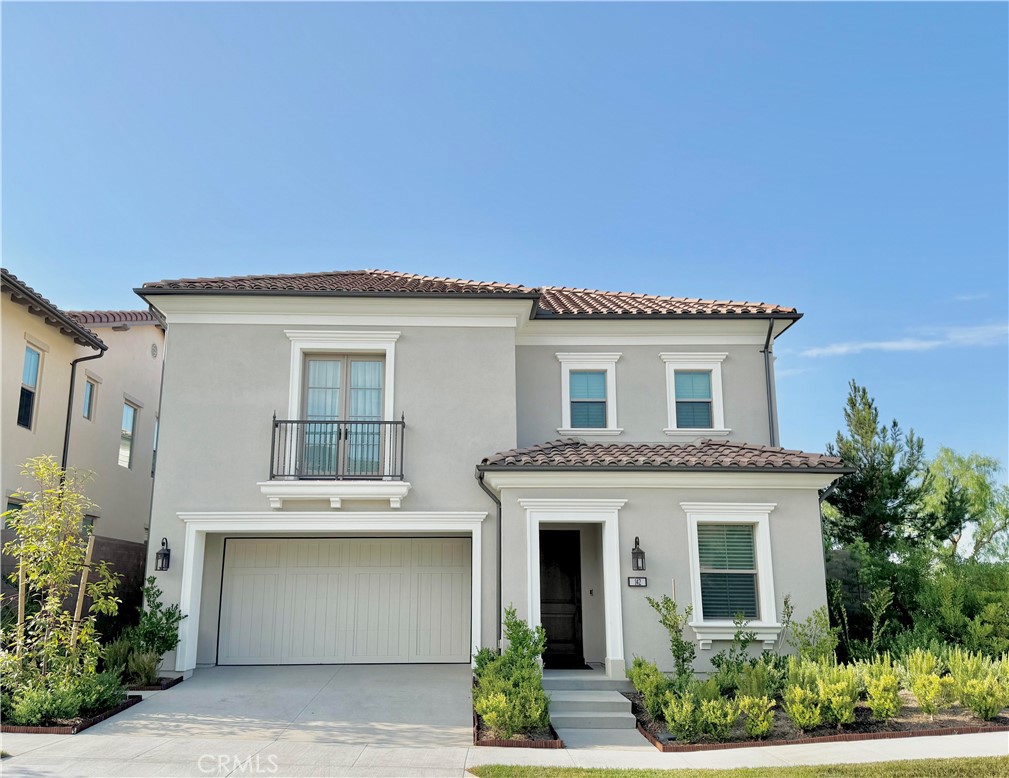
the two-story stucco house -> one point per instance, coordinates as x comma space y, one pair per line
368, 466
84, 387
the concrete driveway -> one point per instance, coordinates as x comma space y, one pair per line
402, 705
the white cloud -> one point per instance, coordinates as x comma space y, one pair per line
970, 298
789, 371
926, 340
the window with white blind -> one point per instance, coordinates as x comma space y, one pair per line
728, 567
589, 394
731, 570
694, 394
127, 434
29, 388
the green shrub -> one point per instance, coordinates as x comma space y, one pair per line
705, 690
682, 716
927, 690
682, 649
481, 659
814, 638
965, 666
731, 662
802, 707
158, 629
920, 662
883, 695
759, 717
651, 683
717, 718
100, 692
753, 680
143, 668
802, 672
116, 654
986, 697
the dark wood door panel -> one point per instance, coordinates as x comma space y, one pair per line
561, 597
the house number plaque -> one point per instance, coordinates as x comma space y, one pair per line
637, 581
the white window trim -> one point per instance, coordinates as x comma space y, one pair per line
582, 511
711, 362
589, 361
767, 627
340, 342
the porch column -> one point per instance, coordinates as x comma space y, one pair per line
189, 601
613, 611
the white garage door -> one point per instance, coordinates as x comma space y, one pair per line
345, 600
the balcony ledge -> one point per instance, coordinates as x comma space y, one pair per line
280, 492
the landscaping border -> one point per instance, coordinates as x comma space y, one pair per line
129, 702
555, 743
671, 748
163, 683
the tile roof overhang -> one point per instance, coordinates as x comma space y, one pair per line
572, 454
114, 318
39, 306
547, 302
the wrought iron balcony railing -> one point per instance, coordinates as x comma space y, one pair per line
337, 450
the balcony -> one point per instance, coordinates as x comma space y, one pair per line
336, 460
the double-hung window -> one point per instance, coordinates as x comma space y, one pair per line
29, 388
589, 394
694, 394
728, 568
127, 435
90, 390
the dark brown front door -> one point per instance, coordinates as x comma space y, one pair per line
561, 597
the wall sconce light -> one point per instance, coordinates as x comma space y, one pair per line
637, 556
163, 557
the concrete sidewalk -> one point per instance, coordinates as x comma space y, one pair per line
95, 754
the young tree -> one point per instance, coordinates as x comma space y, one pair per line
54, 643
882, 502
973, 480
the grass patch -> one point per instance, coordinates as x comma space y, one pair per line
967, 767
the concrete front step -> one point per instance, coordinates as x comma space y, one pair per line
588, 702
583, 681
592, 720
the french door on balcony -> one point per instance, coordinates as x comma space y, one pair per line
344, 395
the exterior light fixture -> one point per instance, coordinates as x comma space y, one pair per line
637, 556
163, 557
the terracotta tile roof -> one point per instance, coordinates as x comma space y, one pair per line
561, 301
100, 318
571, 454
38, 305
552, 301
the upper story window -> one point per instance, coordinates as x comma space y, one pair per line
728, 568
588, 394
343, 387
694, 394
127, 435
29, 388
90, 390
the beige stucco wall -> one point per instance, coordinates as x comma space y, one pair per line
642, 409
126, 369
656, 517
222, 384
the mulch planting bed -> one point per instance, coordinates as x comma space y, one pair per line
544, 738
73, 726
160, 686
911, 723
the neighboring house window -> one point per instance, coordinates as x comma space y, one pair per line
154, 453
90, 389
694, 394
728, 567
29, 387
127, 435
589, 394
731, 569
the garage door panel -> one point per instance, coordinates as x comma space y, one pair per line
336, 600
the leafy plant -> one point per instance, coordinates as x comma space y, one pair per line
116, 655
705, 690
158, 629
802, 707
717, 717
927, 690
966, 666
986, 697
682, 649
650, 683
814, 638
481, 659
883, 696
759, 714
143, 667
838, 690
682, 716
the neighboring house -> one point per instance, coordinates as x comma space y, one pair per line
368, 466
112, 420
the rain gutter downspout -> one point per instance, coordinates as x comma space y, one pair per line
70, 403
497, 502
766, 351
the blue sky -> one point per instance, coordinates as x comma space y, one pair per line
847, 159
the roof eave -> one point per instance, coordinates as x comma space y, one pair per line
660, 469
143, 292
549, 315
50, 314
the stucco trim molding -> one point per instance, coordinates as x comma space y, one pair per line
758, 516
280, 492
708, 362
199, 524
592, 360
584, 511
